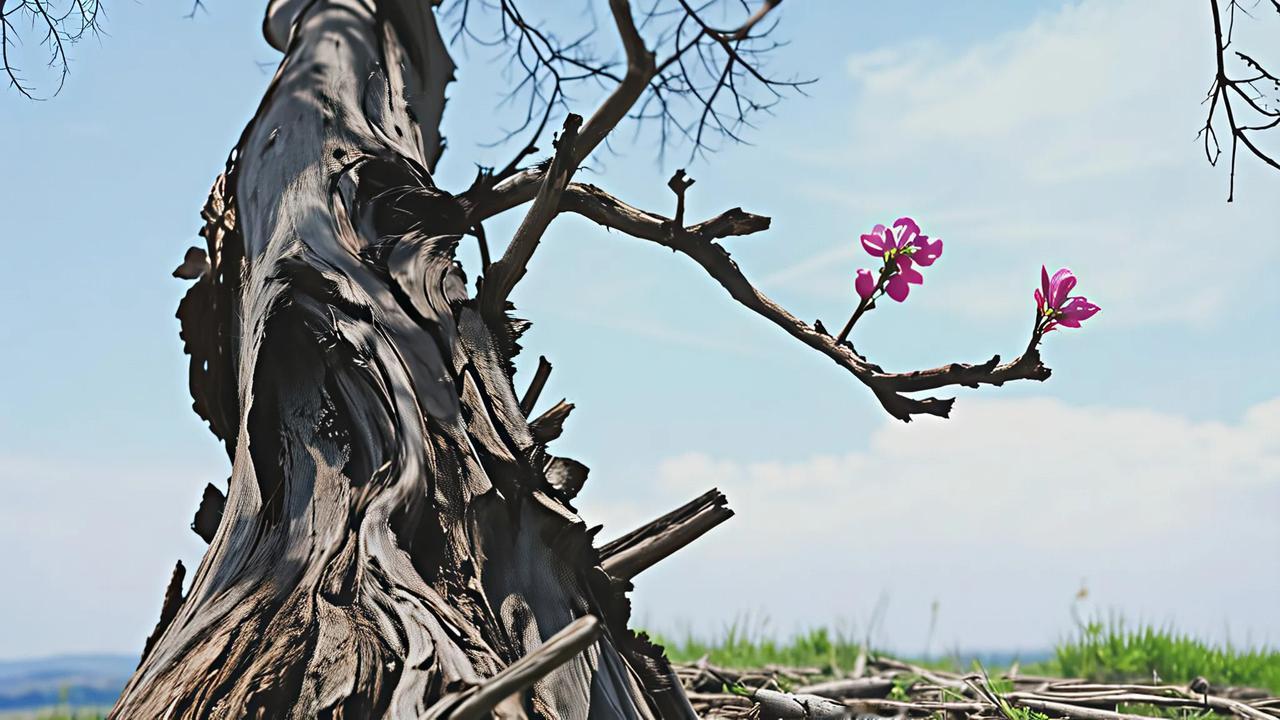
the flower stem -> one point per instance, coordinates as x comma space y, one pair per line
866, 303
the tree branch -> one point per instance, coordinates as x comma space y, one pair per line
697, 242
755, 19
535, 386
479, 701
647, 545
640, 70
1220, 95
507, 271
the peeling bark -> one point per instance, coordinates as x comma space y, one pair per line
390, 537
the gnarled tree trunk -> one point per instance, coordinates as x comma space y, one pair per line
390, 539
396, 541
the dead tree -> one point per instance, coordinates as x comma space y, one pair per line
397, 540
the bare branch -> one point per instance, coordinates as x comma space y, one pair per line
688, 100
755, 19
1225, 88
535, 386
644, 547
640, 69
57, 25
507, 271
697, 242
479, 701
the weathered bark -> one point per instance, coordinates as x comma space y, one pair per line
389, 538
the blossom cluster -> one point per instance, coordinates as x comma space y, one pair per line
902, 249
1054, 304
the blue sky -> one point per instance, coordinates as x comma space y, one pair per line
1147, 469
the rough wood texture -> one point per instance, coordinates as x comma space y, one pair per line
390, 538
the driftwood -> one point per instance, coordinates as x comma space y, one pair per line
771, 693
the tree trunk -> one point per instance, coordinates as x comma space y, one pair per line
390, 538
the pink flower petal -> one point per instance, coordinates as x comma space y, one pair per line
1060, 286
1040, 301
907, 231
897, 287
1044, 284
890, 242
865, 283
1077, 310
874, 243
926, 252
905, 270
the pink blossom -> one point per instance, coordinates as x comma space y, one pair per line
875, 242
865, 283
902, 247
1055, 303
900, 283
926, 252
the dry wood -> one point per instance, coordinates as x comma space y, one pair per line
964, 695
169, 608
507, 271
558, 649
209, 515
534, 391
856, 687
642, 548
774, 705
550, 424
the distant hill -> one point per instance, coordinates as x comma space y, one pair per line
77, 680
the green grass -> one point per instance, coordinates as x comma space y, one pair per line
1111, 651
739, 647
1103, 651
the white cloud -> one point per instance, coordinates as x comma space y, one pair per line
998, 514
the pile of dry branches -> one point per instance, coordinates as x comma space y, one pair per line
889, 688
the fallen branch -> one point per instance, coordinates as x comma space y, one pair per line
727, 693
